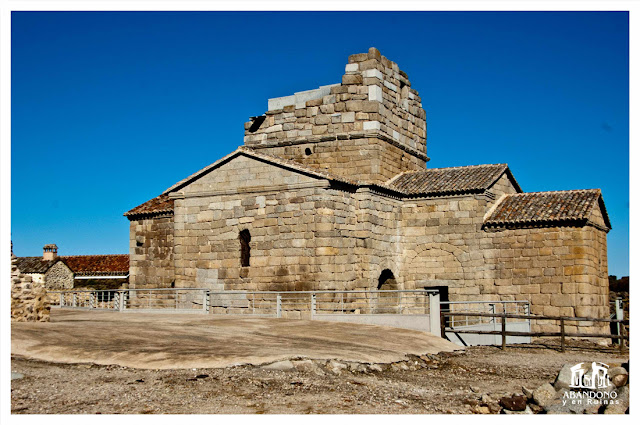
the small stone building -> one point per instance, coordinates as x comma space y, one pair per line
75, 271
331, 191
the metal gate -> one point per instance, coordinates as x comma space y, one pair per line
468, 323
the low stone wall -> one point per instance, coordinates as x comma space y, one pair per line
28, 298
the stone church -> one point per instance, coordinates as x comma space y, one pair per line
331, 191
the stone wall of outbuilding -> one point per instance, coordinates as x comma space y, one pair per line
28, 298
151, 247
59, 277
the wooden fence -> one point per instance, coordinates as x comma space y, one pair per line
562, 334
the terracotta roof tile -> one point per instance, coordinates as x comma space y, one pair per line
442, 181
159, 204
95, 265
546, 207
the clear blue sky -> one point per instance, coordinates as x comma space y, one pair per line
109, 109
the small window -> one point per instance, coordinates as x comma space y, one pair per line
307, 151
387, 280
245, 249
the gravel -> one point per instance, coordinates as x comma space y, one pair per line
443, 383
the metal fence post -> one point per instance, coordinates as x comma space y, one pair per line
621, 338
61, 299
619, 313
278, 305
92, 297
434, 312
562, 335
73, 300
204, 300
313, 305
121, 301
504, 329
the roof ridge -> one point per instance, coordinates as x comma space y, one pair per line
468, 166
555, 191
91, 255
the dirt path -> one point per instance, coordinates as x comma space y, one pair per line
446, 383
166, 341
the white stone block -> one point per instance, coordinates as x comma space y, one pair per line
375, 93
372, 73
396, 135
391, 86
351, 67
371, 125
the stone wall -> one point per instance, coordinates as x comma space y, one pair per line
372, 125
560, 270
367, 159
299, 238
151, 247
59, 277
309, 234
28, 299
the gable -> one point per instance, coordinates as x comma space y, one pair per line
599, 216
244, 172
504, 185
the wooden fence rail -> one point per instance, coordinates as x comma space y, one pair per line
562, 334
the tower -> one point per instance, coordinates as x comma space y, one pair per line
370, 127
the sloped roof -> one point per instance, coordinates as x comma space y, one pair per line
97, 265
547, 207
34, 264
159, 204
452, 180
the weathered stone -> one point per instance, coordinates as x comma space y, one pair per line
482, 410
620, 404
336, 367
284, 365
514, 402
544, 394
619, 376
563, 380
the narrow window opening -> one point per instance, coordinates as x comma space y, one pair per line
387, 281
402, 84
245, 249
256, 122
307, 151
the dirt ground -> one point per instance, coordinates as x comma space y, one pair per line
443, 383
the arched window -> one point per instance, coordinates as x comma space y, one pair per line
386, 280
245, 249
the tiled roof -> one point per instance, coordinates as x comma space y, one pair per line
547, 207
159, 204
443, 181
97, 265
33, 264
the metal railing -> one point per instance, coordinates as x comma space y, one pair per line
256, 303
178, 299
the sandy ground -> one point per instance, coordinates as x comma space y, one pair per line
167, 341
446, 383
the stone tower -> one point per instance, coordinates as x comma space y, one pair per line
369, 128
